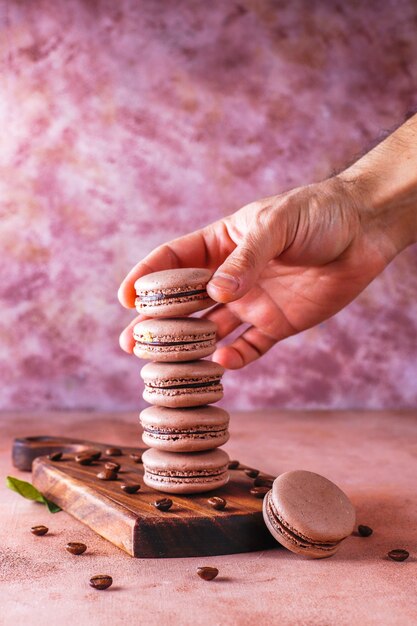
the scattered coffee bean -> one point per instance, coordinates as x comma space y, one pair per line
136, 458
207, 573
101, 581
95, 454
114, 452
252, 473
107, 474
259, 492
364, 531
84, 459
39, 530
55, 456
261, 481
233, 464
163, 504
398, 555
76, 548
130, 488
112, 466
217, 503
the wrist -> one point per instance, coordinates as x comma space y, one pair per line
384, 183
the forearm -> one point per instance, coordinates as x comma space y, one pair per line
385, 183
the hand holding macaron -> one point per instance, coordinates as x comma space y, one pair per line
285, 263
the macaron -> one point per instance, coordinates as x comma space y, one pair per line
173, 292
190, 383
184, 430
178, 472
174, 339
308, 514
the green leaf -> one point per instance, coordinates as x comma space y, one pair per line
28, 491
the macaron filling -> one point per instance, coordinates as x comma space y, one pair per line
290, 534
146, 297
179, 386
187, 476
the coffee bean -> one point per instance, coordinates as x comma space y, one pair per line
95, 454
136, 458
101, 581
259, 492
114, 452
55, 456
261, 481
163, 504
233, 464
76, 548
130, 488
107, 474
398, 555
252, 473
207, 573
39, 531
110, 465
217, 503
84, 459
364, 531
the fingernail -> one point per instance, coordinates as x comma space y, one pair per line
224, 282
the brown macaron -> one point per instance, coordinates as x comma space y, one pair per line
174, 339
308, 514
191, 383
192, 472
175, 292
184, 430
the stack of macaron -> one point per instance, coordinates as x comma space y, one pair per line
180, 427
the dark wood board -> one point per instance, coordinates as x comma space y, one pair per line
131, 522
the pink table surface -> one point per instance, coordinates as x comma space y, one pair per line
371, 455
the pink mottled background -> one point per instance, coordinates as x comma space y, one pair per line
124, 124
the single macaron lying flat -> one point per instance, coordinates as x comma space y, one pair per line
192, 472
184, 430
190, 383
308, 514
173, 292
174, 339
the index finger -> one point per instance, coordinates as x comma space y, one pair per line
201, 248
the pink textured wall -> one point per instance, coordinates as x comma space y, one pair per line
124, 124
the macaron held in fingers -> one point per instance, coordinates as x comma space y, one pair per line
170, 293
193, 472
184, 429
174, 339
190, 383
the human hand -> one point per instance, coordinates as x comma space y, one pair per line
282, 264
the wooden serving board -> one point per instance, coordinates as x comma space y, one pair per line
190, 528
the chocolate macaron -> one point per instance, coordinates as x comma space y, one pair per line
190, 383
173, 292
308, 514
177, 472
174, 339
184, 430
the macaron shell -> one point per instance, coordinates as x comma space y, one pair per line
313, 506
170, 472
153, 372
182, 398
184, 430
171, 282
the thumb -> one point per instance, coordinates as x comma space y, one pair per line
240, 271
